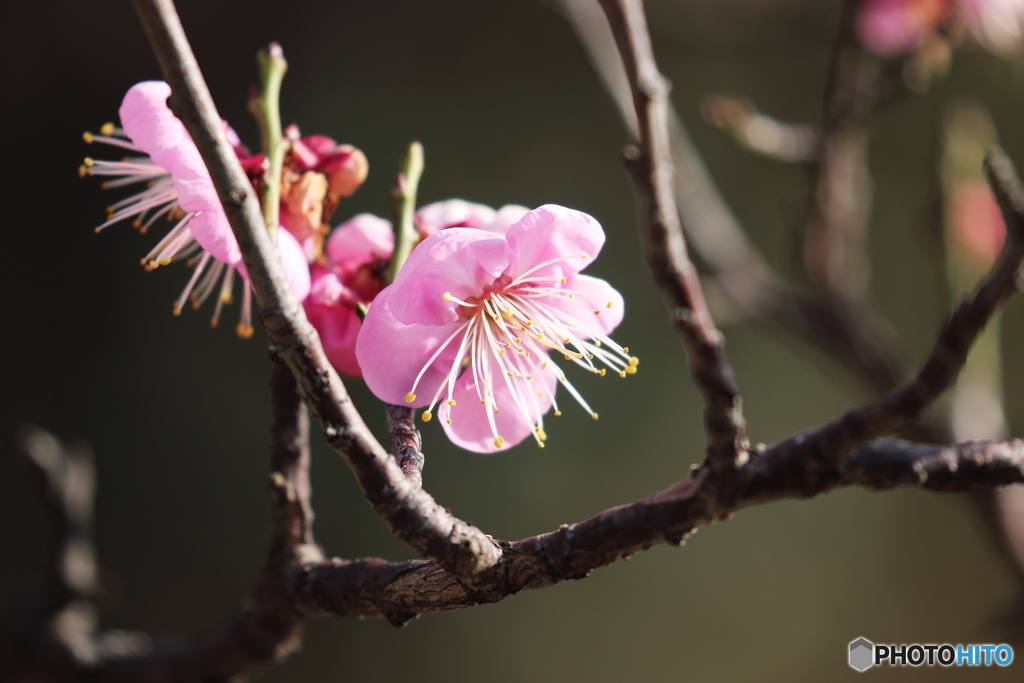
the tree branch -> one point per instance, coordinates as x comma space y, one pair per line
410, 513
649, 159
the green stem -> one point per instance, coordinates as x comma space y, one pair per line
403, 205
265, 106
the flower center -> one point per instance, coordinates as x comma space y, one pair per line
506, 335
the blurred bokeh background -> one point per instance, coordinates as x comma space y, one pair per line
509, 110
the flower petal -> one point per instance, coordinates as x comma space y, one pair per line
293, 261
590, 294
550, 232
453, 213
150, 124
197, 194
461, 261
338, 327
359, 239
470, 428
505, 218
391, 354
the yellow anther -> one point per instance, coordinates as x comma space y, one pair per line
631, 370
451, 403
541, 434
426, 416
88, 161
448, 421
244, 331
594, 415
410, 397
622, 373
87, 136
558, 413
176, 309
564, 280
567, 356
529, 377
625, 349
634, 361
540, 444
213, 322
590, 357
522, 329
497, 318
610, 304
483, 403
529, 322
584, 256
447, 296
543, 365
508, 314
501, 352
603, 371
597, 342
518, 340
165, 261
497, 410
597, 312
499, 442
225, 297
82, 171
107, 129
566, 340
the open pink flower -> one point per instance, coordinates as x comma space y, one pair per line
178, 187
472, 316
357, 250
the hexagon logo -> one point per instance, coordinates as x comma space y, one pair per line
862, 653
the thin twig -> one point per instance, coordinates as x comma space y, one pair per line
411, 513
721, 242
833, 441
649, 158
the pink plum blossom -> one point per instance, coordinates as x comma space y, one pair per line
178, 187
890, 28
357, 251
473, 315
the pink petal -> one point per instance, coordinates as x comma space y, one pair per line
150, 124
453, 213
196, 193
359, 239
505, 218
338, 327
459, 261
293, 261
550, 232
594, 294
154, 129
326, 288
470, 428
391, 354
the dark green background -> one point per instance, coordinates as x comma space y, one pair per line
502, 97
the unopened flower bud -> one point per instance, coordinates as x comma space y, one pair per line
346, 169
